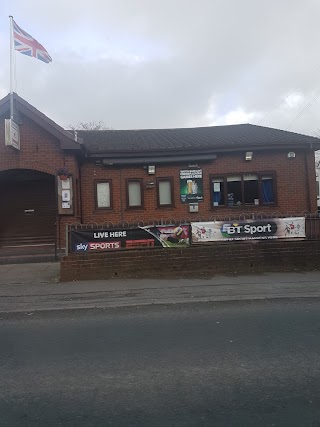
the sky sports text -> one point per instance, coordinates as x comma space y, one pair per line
94, 246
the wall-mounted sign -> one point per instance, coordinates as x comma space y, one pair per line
65, 184
65, 196
129, 238
12, 134
262, 229
191, 186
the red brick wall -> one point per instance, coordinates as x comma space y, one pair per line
196, 261
39, 151
291, 187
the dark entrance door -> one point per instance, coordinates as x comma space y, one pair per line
28, 208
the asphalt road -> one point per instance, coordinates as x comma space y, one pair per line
251, 363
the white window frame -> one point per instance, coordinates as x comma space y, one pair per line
98, 197
140, 183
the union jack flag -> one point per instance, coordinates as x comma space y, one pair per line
27, 45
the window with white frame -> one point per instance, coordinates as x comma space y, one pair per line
103, 195
165, 190
134, 193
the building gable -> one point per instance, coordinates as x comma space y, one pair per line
22, 109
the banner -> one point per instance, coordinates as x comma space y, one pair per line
191, 186
262, 229
129, 238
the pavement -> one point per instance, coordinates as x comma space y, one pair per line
29, 273
34, 287
231, 363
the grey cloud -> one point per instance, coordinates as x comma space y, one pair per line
219, 55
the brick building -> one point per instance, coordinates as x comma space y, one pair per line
142, 175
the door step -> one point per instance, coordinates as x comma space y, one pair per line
17, 254
25, 259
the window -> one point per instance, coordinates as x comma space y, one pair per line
251, 189
243, 189
134, 193
267, 184
165, 192
103, 195
234, 190
218, 191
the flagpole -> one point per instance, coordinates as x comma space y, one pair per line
11, 67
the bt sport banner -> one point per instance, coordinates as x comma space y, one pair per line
128, 238
275, 228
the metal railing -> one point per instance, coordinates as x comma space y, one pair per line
312, 222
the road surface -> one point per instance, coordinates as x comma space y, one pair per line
248, 363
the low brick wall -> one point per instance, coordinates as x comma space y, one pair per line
196, 261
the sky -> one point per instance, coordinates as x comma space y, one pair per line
172, 63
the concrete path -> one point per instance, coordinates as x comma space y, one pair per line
35, 287
33, 273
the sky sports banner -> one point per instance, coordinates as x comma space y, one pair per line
263, 229
129, 238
